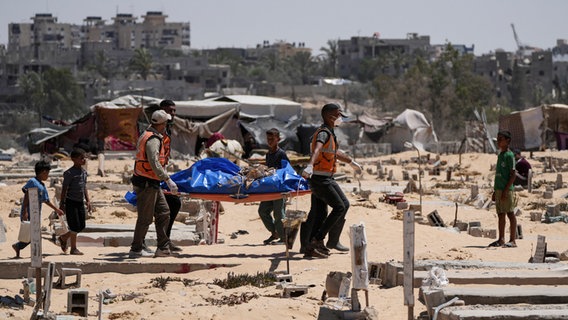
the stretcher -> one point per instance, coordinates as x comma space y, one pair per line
237, 198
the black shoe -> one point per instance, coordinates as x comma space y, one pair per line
318, 245
302, 250
269, 240
314, 253
278, 242
174, 248
338, 247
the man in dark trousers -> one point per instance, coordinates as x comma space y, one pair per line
149, 171
325, 190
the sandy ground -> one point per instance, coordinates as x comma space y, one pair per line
383, 227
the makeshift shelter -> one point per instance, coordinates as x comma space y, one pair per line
538, 128
412, 126
110, 125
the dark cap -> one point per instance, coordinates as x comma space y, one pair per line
504, 134
331, 107
517, 151
167, 103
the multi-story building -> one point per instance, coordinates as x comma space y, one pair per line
354, 51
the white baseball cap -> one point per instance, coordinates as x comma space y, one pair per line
160, 117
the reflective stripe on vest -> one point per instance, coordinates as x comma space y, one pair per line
325, 163
142, 165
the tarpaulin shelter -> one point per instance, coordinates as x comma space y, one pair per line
537, 128
411, 126
110, 125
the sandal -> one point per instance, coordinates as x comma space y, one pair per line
63, 244
76, 252
494, 244
510, 245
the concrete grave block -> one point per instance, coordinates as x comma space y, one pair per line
547, 195
461, 226
78, 301
294, 291
474, 224
402, 205
536, 216
490, 233
65, 272
475, 231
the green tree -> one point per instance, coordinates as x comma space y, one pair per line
330, 58
54, 93
141, 63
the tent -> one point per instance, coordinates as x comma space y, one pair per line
115, 125
537, 128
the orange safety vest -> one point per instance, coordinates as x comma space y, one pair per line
142, 165
166, 141
325, 163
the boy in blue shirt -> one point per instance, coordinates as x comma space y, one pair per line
42, 169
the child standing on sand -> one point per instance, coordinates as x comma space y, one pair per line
73, 192
503, 194
42, 169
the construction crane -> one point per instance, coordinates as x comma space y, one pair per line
520, 46
522, 49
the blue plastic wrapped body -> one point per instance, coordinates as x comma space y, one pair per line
221, 176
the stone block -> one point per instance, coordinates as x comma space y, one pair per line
65, 272
475, 224
547, 195
461, 226
536, 216
294, 291
402, 205
78, 301
475, 231
490, 233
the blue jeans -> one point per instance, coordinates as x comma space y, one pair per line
325, 192
273, 225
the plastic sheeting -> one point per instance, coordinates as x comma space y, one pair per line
221, 176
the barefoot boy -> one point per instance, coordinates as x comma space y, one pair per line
73, 192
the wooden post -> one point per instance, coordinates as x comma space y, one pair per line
214, 222
359, 264
101, 169
408, 262
35, 236
48, 285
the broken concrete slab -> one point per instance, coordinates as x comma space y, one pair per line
499, 277
505, 312
18, 269
507, 294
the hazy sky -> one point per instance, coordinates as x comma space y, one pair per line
245, 23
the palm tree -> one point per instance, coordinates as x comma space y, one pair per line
331, 58
141, 63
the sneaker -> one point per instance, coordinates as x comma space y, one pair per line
269, 240
139, 254
278, 242
314, 253
163, 252
338, 247
146, 249
174, 248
